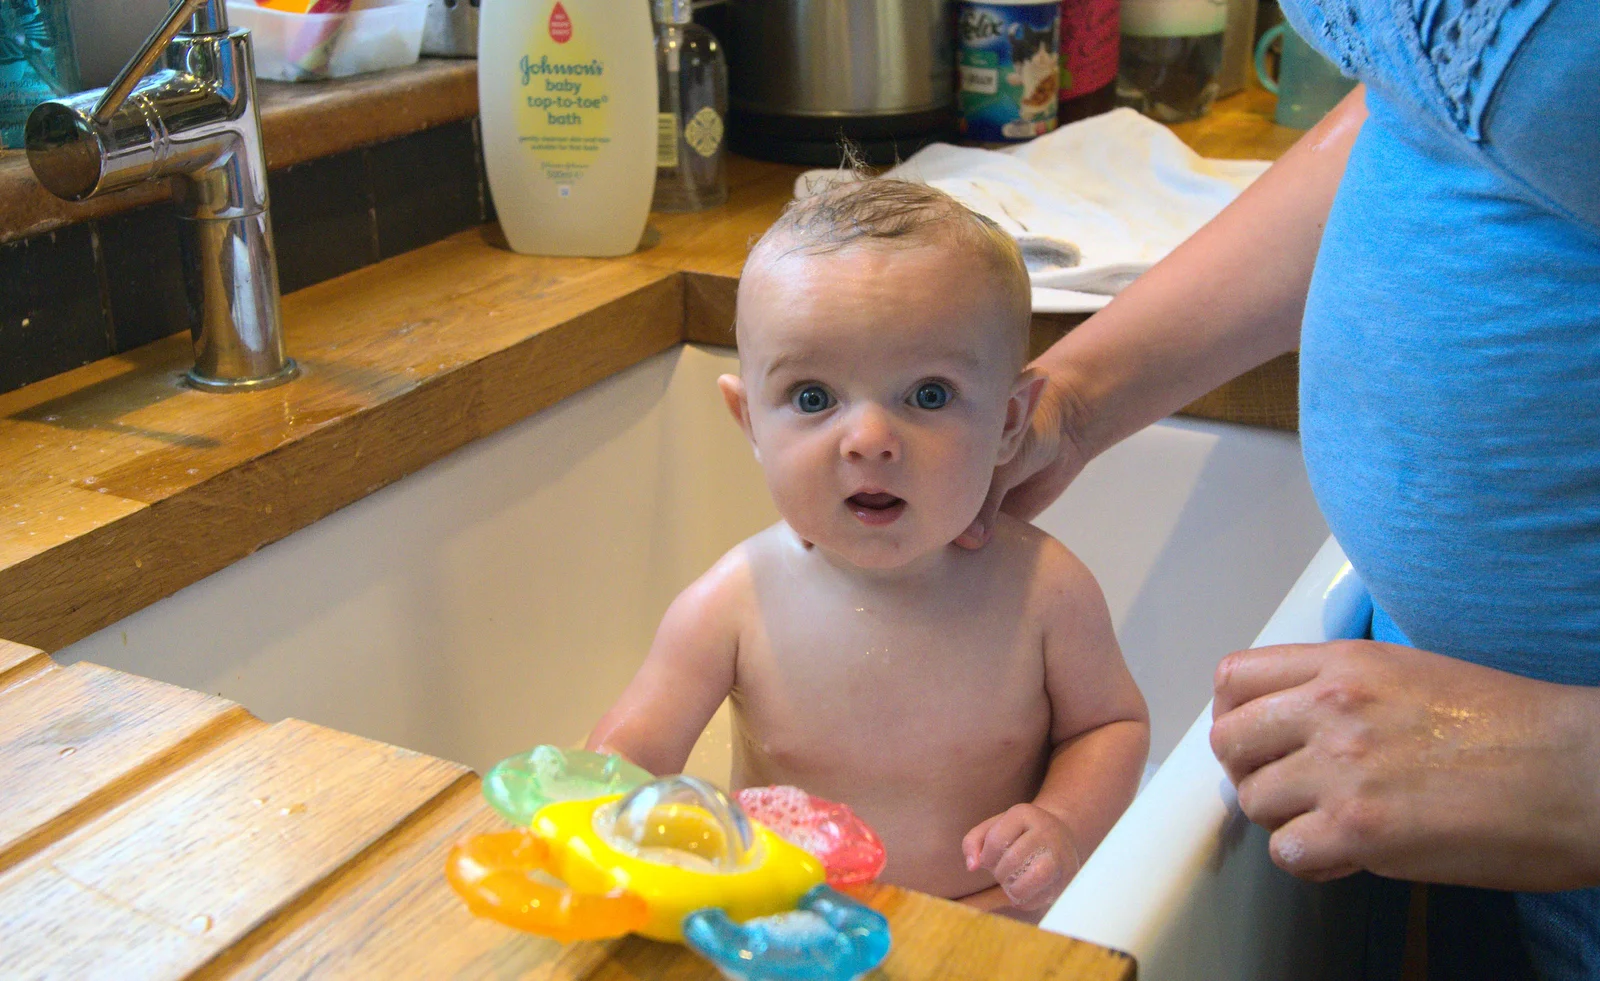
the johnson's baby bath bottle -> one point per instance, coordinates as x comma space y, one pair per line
567, 97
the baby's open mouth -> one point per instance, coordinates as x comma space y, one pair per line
876, 508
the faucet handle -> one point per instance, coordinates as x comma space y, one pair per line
213, 18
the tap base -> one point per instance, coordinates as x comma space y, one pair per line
288, 372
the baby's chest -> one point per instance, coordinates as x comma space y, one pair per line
863, 687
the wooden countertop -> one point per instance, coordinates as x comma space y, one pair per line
148, 831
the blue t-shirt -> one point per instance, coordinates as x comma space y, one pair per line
1450, 355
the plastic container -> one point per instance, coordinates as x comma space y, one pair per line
37, 61
568, 101
371, 36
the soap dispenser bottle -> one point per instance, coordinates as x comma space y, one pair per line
567, 100
693, 80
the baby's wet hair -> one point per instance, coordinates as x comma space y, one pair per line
885, 212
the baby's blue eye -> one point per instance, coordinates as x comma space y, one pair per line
812, 398
932, 395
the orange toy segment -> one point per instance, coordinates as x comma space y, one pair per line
492, 873
306, 6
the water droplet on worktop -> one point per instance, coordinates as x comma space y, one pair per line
259, 801
201, 923
68, 750
292, 809
91, 480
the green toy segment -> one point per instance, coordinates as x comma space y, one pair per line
518, 786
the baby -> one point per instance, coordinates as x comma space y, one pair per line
971, 705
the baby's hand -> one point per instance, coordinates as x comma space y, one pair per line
1030, 852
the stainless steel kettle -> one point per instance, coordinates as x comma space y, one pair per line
804, 73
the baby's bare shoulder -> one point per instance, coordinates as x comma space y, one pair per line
1038, 558
733, 575
727, 583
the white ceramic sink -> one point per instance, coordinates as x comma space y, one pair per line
502, 596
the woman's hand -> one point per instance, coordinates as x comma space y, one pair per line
1050, 456
1362, 755
1030, 852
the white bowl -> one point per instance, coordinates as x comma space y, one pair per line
373, 35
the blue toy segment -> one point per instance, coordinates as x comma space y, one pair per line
828, 937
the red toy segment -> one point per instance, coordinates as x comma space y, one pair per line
849, 850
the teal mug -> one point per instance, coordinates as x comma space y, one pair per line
1307, 85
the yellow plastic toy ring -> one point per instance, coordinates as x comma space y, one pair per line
492, 874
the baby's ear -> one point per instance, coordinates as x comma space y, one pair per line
1019, 412
738, 402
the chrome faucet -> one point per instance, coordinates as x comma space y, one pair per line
195, 120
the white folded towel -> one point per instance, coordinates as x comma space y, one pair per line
1093, 204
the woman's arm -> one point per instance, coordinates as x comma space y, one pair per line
1229, 298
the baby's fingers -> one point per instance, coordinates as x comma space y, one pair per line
986, 844
1031, 873
972, 843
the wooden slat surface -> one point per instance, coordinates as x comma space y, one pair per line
173, 877
389, 917
18, 659
939, 939
182, 838
75, 740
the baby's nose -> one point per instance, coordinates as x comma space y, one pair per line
869, 435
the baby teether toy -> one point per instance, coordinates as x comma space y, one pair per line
607, 850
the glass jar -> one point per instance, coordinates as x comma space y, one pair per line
1171, 54
693, 77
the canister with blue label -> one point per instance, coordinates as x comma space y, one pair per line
1010, 64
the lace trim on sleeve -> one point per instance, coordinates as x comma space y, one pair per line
1454, 36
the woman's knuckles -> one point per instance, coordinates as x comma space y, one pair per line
1342, 694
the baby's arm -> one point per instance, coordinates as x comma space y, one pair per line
1100, 735
685, 676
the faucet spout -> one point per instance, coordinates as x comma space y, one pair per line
195, 121
122, 85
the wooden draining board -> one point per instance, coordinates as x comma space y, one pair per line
148, 831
